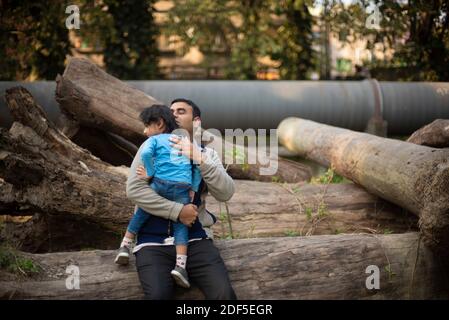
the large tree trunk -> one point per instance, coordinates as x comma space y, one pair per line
41, 169
319, 267
412, 176
106, 146
435, 134
89, 97
96, 99
266, 209
288, 171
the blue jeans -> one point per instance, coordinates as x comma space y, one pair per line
174, 191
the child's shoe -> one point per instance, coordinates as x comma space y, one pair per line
181, 277
122, 257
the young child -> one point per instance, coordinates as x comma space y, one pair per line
172, 177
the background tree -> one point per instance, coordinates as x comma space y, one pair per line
130, 50
294, 39
417, 31
205, 24
244, 32
127, 35
34, 40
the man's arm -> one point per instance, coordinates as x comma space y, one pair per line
219, 183
139, 192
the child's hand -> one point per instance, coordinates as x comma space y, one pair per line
192, 195
142, 173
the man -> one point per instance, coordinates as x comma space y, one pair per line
155, 252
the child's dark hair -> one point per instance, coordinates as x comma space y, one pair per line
152, 114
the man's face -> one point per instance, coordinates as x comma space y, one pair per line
184, 115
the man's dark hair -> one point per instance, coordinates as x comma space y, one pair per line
152, 114
196, 112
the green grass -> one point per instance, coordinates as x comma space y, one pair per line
309, 212
11, 261
338, 231
390, 273
322, 210
291, 233
330, 176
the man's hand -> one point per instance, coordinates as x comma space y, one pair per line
188, 214
186, 148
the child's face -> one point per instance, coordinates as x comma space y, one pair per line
154, 128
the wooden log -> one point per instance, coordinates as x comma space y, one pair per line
435, 134
288, 171
43, 233
96, 99
318, 267
412, 176
41, 169
110, 148
92, 98
266, 209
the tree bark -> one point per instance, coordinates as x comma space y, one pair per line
41, 169
266, 209
288, 171
43, 233
96, 99
435, 134
319, 267
411, 176
106, 146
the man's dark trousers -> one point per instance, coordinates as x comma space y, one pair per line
205, 267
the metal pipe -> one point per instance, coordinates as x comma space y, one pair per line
406, 106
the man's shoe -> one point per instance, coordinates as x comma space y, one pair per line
122, 257
181, 277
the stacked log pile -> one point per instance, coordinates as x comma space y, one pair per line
45, 173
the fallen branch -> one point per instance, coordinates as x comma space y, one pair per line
435, 134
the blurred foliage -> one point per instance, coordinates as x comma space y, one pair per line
33, 39
126, 33
417, 30
294, 39
12, 261
246, 31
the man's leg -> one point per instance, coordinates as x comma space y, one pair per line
154, 264
207, 270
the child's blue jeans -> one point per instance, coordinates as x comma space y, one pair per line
174, 191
